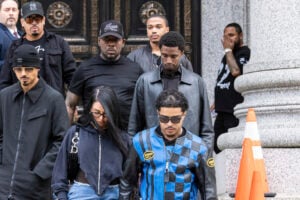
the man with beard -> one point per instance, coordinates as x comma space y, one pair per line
9, 14
149, 56
171, 75
57, 61
33, 121
108, 68
226, 97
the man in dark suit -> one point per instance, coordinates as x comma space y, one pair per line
9, 14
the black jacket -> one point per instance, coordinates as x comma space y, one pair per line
32, 127
59, 63
99, 158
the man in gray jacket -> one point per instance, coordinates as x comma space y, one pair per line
33, 120
148, 57
170, 75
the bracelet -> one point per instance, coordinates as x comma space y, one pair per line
226, 50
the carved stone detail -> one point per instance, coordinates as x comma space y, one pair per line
59, 14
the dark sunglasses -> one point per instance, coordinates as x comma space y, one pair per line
173, 119
31, 18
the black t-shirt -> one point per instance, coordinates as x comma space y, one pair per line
226, 97
172, 80
121, 75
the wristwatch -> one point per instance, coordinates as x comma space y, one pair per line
226, 50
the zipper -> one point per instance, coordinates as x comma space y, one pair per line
166, 175
99, 163
18, 149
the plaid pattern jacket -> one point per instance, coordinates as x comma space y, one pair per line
168, 172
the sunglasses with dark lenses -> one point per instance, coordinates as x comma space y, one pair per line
31, 18
173, 119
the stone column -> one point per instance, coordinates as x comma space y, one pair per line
271, 85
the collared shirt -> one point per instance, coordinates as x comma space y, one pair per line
13, 32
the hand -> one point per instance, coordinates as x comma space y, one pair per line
227, 42
212, 107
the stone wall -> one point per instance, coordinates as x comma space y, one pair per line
215, 15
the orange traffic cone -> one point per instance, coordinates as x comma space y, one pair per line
245, 172
252, 133
257, 192
251, 160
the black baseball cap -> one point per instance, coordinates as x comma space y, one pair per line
111, 27
26, 56
32, 8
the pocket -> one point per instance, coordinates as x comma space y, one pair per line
37, 114
39, 181
54, 56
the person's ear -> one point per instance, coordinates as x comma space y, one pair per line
99, 41
22, 22
167, 29
241, 36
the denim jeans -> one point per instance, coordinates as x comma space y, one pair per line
83, 191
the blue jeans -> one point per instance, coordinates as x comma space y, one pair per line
83, 191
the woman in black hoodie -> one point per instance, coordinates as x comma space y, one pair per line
99, 150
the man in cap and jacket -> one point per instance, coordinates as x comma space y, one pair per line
33, 120
108, 68
57, 62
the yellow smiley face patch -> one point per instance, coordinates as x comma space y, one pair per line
148, 155
210, 162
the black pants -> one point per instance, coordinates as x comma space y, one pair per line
223, 122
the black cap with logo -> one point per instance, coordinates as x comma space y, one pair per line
111, 27
32, 8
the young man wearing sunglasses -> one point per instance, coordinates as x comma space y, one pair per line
33, 120
171, 75
173, 162
57, 61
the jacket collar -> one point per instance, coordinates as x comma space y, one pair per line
33, 94
3, 27
7, 32
47, 34
185, 76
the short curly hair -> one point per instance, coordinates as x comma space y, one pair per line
172, 99
172, 39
